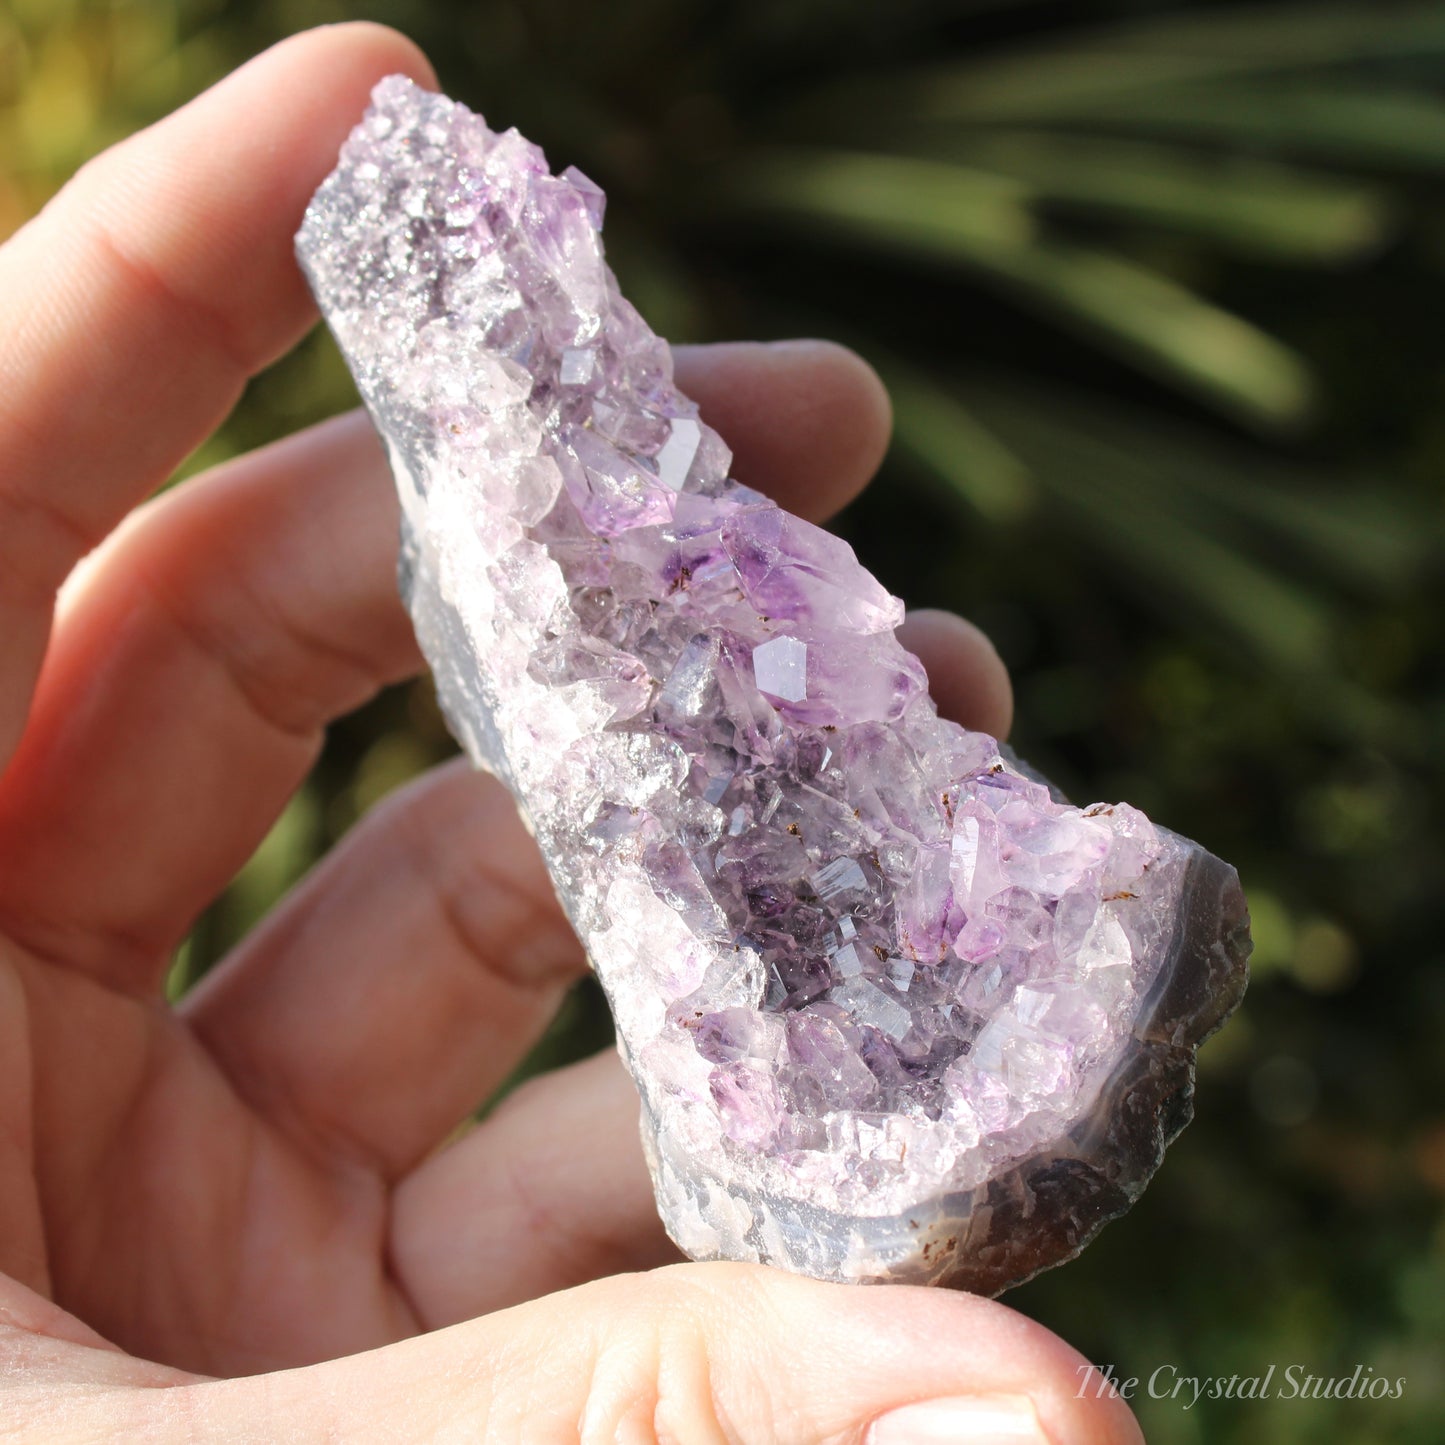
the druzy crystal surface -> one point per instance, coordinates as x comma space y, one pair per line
894, 1010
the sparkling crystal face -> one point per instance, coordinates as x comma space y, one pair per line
893, 1009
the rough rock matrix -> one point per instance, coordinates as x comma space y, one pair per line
895, 1011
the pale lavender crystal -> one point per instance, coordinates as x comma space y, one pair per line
894, 1011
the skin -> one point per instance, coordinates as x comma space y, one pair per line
251, 1216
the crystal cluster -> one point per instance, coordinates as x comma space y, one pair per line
895, 1011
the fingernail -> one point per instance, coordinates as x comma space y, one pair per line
964, 1420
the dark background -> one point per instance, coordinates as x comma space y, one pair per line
1157, 287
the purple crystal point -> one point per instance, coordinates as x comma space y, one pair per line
895, 1011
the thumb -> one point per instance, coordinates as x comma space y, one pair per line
693, 1353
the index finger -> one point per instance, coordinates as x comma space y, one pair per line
135, 307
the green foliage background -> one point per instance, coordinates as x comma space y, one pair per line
1157, 288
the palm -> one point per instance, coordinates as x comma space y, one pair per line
257, 1179
246, 1182
173, 1216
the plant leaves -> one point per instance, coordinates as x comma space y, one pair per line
1160, 537
1162, 53
1250, 205
1343, 125
929, 206
940, 433
1343, 530
972, 219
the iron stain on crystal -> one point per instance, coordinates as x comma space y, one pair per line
895, 1011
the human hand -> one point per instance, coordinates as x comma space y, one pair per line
259, 1180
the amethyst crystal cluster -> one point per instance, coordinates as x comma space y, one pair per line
895, 1010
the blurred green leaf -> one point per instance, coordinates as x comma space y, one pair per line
282, 857
1163, 326
927, 206
1357, 533
1343, 125
1248, 205
1160, 535
1283, 624
1164, 52
938, 431
974, 219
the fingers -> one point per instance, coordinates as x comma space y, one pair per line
966, 676
548, 1192
696, 1353
808, 421
198, 657
204, 647
133, 309
402, 982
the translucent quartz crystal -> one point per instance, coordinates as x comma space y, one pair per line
895, 1011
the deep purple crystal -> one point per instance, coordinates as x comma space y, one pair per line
894, 1010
